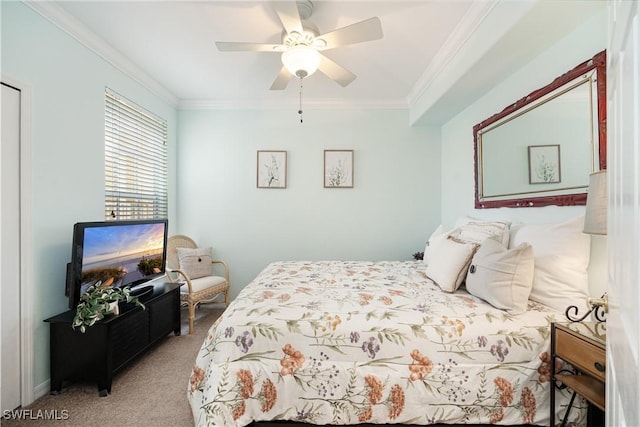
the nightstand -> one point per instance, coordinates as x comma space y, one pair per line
582, 345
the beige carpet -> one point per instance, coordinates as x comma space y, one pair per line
152, 391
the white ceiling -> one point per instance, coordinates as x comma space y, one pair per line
169, 47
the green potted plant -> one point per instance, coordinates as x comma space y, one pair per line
98, 301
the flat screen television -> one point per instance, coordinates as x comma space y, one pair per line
117, 253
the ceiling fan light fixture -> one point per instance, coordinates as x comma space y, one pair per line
301, 60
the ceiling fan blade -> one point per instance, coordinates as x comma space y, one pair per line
369, 29
250, 47
282, 80
289, 16
336, 72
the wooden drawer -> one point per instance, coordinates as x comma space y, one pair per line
581, 353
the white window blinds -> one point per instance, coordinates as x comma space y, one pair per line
135, 161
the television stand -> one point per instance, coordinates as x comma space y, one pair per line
110, 344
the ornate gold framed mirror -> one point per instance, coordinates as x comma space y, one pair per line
541, 149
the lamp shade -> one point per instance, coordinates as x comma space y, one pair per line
595, 220
301, 60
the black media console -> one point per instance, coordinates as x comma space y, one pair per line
107, 346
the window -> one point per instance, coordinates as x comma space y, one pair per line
135, 161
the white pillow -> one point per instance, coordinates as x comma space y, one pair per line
437, 235
196, 262
502, 277
477, 231
561, 257
449, 261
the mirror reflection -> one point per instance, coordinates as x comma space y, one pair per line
549, 146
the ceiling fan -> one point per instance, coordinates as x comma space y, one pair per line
301, 44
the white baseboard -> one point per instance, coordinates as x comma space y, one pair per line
42, 390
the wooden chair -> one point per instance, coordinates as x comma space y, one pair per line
195, 291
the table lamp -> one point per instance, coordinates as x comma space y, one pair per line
595, 222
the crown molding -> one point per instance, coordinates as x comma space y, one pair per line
316, 104
63, 20
473, 18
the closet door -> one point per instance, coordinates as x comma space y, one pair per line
10, 248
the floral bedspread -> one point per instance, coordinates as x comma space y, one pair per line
348, 342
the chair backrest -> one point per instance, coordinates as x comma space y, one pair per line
177, 241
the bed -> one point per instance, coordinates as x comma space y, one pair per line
349, 342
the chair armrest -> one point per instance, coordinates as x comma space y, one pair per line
224, 265
180, 273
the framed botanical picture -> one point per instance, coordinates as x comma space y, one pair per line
338, 168
544, 164
272, 169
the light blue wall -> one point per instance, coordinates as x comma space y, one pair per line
67, 82
387, 215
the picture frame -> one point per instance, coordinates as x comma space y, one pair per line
338, 168
271, 169
544, 164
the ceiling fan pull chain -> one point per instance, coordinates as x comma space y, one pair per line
300, 110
